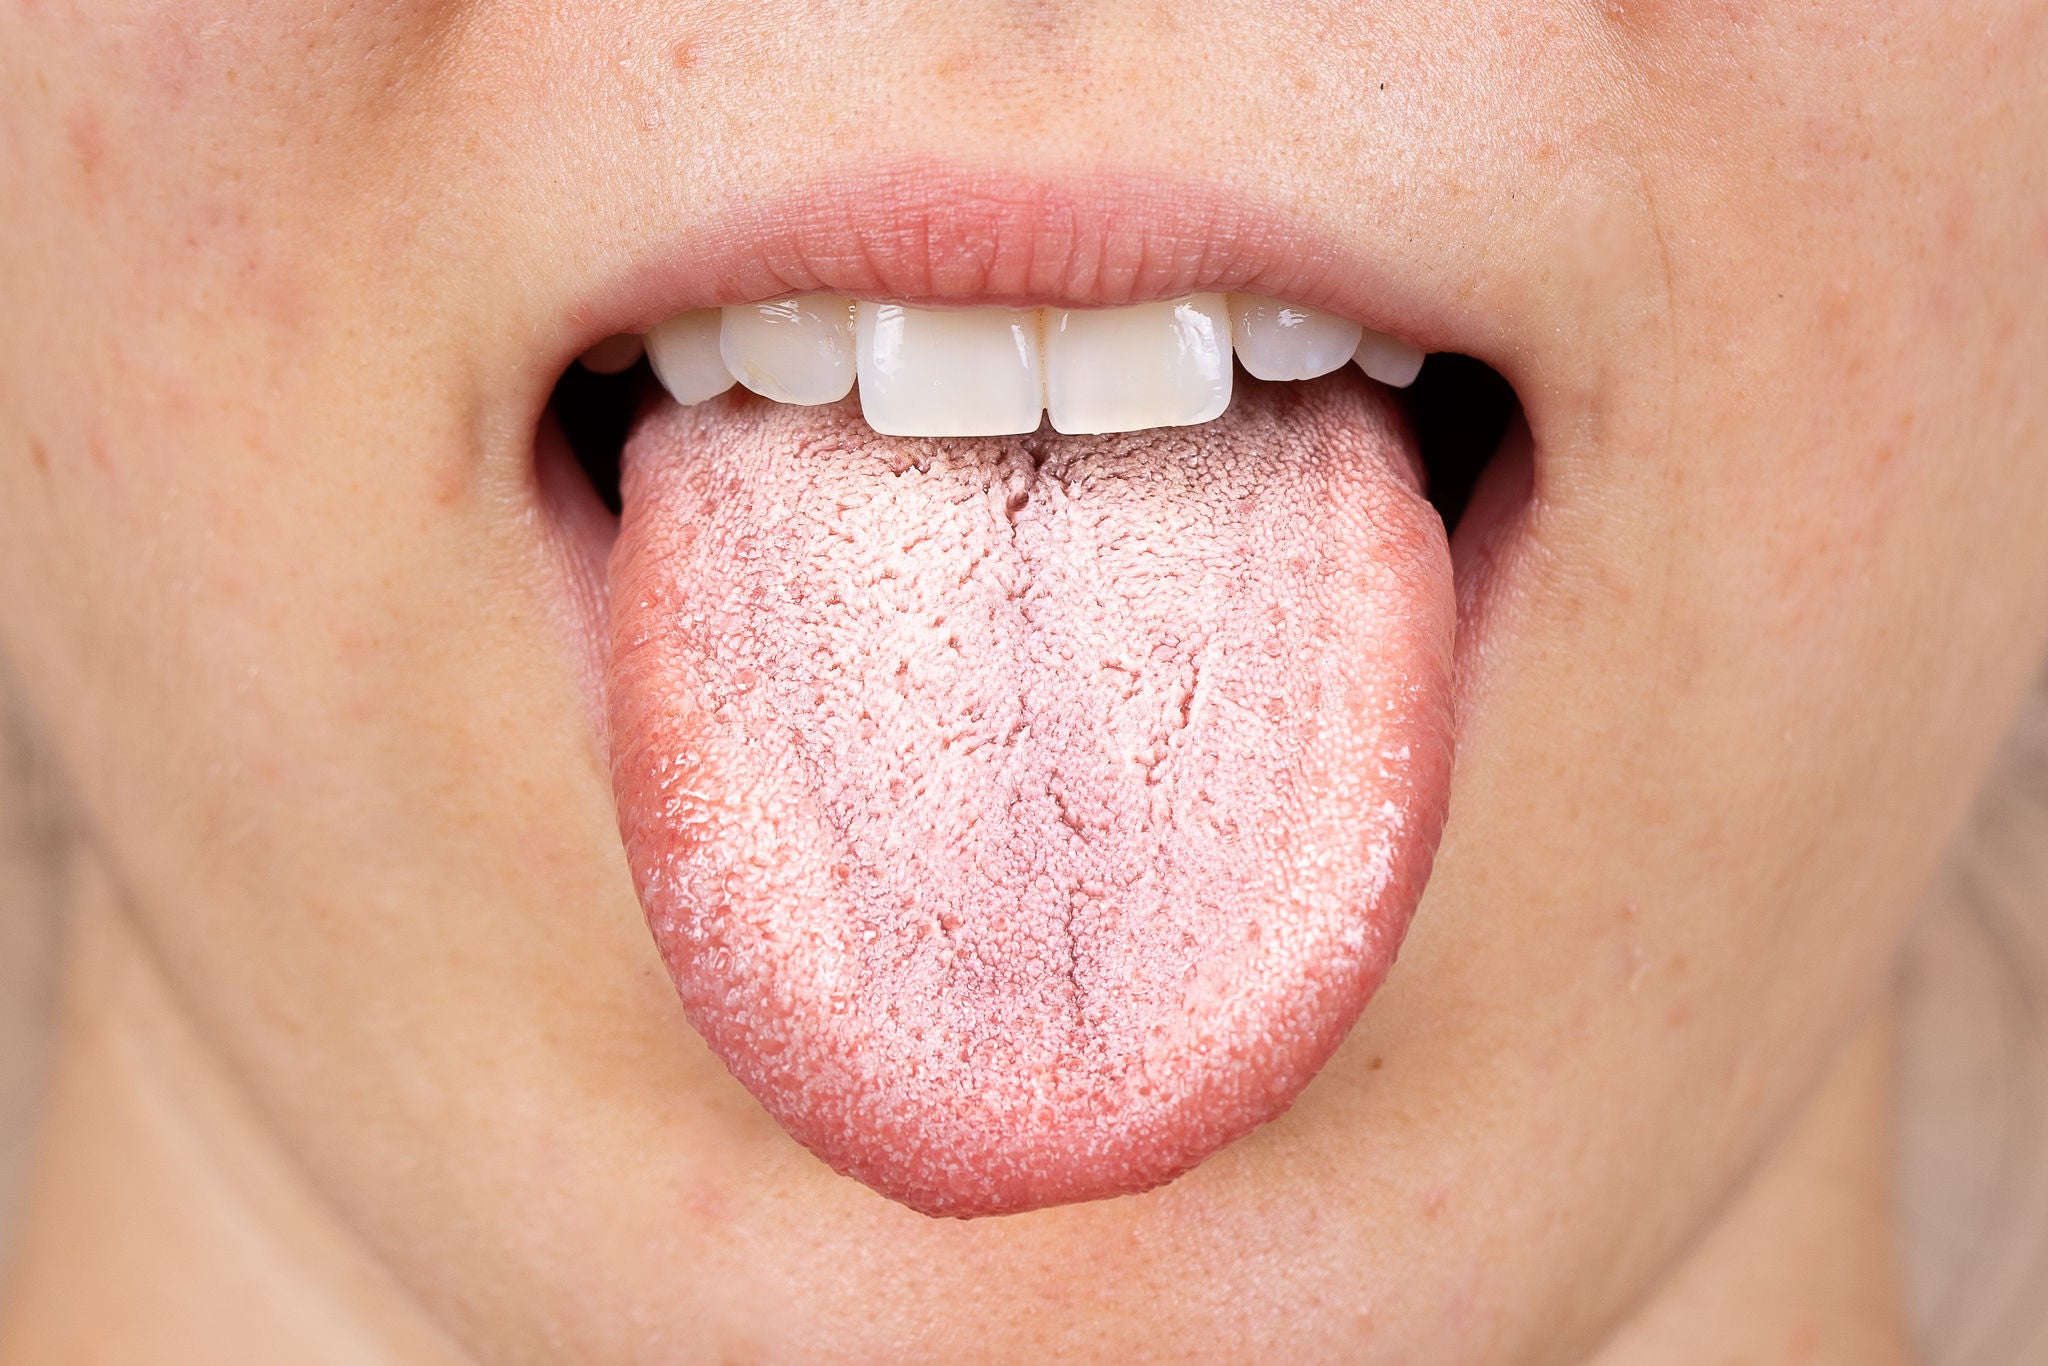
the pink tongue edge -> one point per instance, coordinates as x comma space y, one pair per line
740, 838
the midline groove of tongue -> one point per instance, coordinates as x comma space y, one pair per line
1023, 819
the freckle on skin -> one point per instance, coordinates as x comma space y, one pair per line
709, 1203
38, 456
88, 139
451, 487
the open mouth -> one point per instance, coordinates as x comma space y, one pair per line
1031, 727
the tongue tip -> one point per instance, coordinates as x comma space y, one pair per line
967, 1166
996, 1184
1069, 1161
963, 1143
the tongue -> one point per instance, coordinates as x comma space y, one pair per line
1024, 819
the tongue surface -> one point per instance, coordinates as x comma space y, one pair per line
1024, 819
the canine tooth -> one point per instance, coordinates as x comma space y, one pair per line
684, 354
1389, 360
948, 372
614, 354
796, 350
1148, 365
1286, 341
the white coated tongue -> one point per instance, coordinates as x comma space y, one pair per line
1024, 819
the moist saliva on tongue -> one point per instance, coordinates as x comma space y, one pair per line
1022, 819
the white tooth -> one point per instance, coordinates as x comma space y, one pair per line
684, 354
614, 354
1286, 341
948, 372
1389, 360
796, 350
1149, 365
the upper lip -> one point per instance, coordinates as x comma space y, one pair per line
932, 234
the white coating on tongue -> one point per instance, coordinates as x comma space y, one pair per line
1023, 819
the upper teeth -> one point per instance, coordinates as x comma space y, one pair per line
1149, 365
958, 372
992, 371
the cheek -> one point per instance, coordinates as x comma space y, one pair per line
186, 343
209, 148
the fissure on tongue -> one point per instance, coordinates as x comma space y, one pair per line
1024, 819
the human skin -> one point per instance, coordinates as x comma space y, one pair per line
360, 982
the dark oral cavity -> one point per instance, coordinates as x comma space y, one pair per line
1024, 819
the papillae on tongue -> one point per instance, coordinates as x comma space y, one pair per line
1024, 819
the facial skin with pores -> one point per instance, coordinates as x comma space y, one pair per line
318, 652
